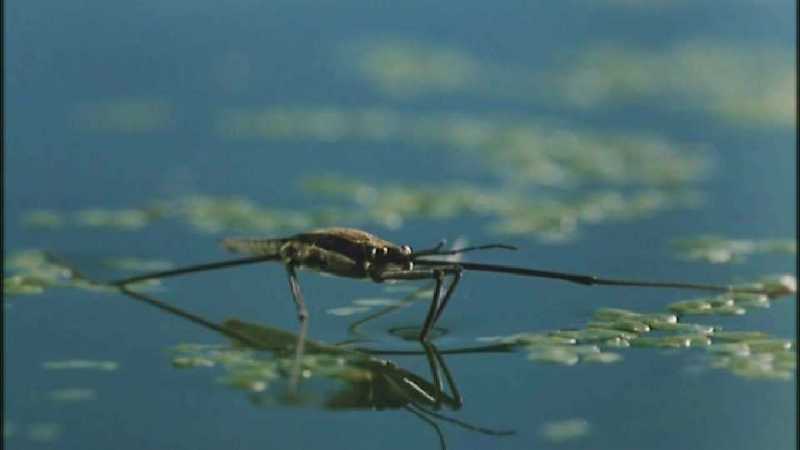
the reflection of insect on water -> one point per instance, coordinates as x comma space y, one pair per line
352, 253
370, 382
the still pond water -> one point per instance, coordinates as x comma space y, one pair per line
628, 139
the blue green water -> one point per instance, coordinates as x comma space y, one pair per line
115, 105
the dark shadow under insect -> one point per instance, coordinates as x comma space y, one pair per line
347, 252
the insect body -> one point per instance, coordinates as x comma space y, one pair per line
352, 253
343, 252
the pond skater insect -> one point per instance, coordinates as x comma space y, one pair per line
352, 253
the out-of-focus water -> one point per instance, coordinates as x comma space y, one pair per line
591, 135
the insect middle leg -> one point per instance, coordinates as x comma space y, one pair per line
439, 301
302, 316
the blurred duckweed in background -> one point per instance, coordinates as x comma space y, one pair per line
564, 430
204, 214
216, 214
44, 432
35, 271
81, 364
549, 218
68, 395
527, 151
720, 250
128, 219
520, 122
740, 84
124, 115
403, 68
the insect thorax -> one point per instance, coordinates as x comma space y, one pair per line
312, 257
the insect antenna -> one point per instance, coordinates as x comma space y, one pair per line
436, 251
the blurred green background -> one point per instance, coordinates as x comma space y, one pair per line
624, 138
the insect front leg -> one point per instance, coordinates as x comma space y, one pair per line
294, 286
302, 316
456, 271
437, 302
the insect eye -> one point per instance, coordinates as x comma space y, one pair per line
406, 250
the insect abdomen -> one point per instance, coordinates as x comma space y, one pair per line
253, 246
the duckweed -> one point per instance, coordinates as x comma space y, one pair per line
623, 325
44, 432
122, 219
532, 152
554, 355
752, 354
41, 218
347, 310
139, 264
368, 302
602, 357
81, 364
739, 336
24, 285
565, 430
37, 271
662, 342
72, 395
596, 77
124, 115
185, 362
719, 250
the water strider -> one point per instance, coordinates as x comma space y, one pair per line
353, 253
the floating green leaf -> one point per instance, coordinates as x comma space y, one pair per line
120, 219
716, 249
124, 115
554, 355
740, 352
347, 310
24, 285
514, 213
724, 87
81, 364
9, 429
565, 430
622, 325
72, 394
41, 218
603, 74
139, 264
44, 432
602, 357
36, 271
369, 302
540, 153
